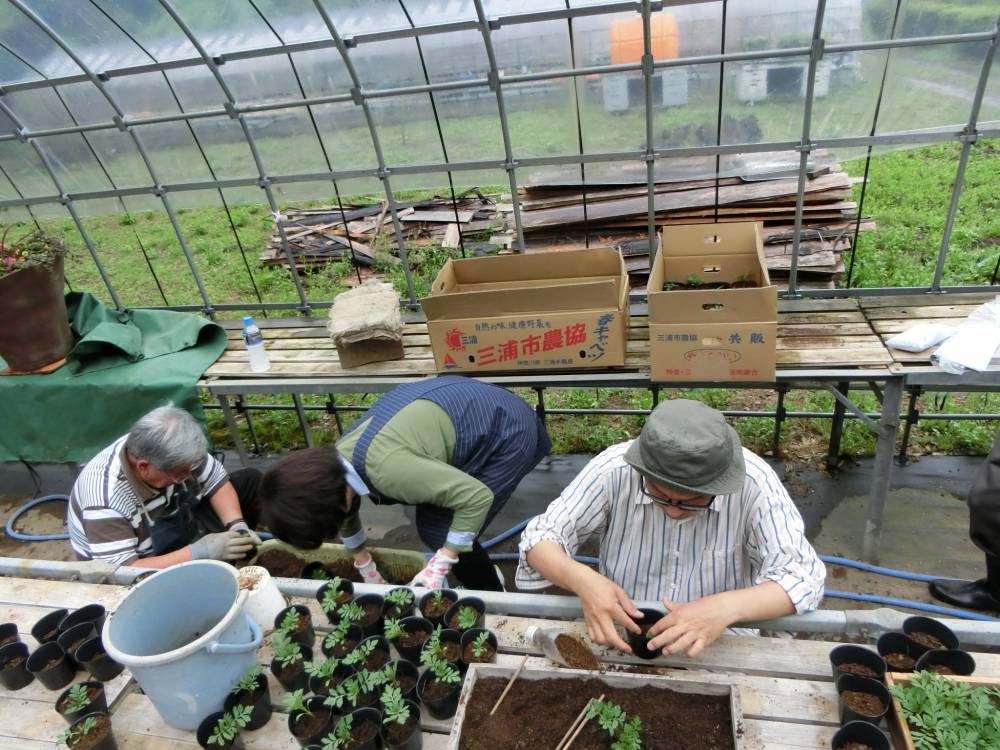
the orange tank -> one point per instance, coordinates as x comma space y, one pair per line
626, 38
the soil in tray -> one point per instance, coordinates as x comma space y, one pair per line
449, 651
94, 736
863, 703
281, 564
92, 692
859, 669
414, 639
307, 725
702, 720
434, 609
940, 669
397, 733
900, 661
373, 611
926, 640
470, 658
576, 654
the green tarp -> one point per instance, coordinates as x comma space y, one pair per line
123, 365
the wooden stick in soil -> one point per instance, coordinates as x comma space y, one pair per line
576, 726
510, 684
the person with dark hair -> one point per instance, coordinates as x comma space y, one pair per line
453, 447
984, 531
156, 497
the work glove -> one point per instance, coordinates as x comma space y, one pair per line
369, 573
241, 525
435, 573
226, 545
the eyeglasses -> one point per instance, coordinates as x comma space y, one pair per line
668, 503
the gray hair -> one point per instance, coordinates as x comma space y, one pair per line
169, 438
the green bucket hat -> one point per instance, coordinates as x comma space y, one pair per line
688, 446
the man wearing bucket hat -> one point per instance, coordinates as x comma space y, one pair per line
156, 497
683, 514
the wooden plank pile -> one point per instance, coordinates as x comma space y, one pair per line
318, 236
557, 212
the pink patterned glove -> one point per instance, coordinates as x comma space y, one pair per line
435, 573
368, 572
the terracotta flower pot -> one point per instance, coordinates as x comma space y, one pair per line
36, 329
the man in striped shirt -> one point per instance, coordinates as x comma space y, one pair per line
684, 514
155, 498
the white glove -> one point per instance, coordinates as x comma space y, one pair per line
435, 573
226, 545
369, 572
241, 525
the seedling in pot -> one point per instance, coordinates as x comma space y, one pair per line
393, 629
340, 736
395, 709
286, 651
295, 703
443, 671
479, 644
431, 646
77, 700
399, 602
467, 617
229, 725
76, 732
321, 670
351, 612
248, 682
333, 597
360, 653
291, 622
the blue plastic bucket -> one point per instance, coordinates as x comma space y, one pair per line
183, 634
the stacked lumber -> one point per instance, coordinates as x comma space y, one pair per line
557, 211
318, 236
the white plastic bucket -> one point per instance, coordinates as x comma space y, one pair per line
183, 634
265, 600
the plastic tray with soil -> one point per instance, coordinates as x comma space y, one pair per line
398, 567
708, 716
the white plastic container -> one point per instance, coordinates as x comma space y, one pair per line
265, 600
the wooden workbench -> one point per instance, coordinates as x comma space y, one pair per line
785, 685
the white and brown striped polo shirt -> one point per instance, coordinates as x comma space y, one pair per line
109, 506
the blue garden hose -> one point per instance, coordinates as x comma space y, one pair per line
870, 598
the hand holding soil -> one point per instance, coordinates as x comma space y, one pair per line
604, 604
690, 627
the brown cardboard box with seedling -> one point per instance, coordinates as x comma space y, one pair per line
553, 310
712, 308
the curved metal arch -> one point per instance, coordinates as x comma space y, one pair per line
510, 165
66, 201
264, 180
136, 139
383, 172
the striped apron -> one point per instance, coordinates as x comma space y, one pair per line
498, 440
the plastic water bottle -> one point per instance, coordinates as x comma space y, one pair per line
254, 341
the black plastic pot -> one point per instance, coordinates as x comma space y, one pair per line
413, 625
850, 682
895, 643
415, 741
47, 628
469, 636
260, 709
408, 669
367, 714
15, 678
466, 601
300, 680
441, 708
317, 708
381, 646
354, 635
72, 639
931, 627
94, 658
376, 627
307, 636
850, 654
206, 728
98, 705
346, 587
95, 613
395, 612
311, 569
320, 686
860, 731
639, 643
9, 634
448, 594
959, 662
59, 675
107, 742
453, 636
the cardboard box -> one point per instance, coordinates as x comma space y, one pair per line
539, 311
712, 334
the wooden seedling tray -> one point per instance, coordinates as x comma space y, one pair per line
899, 730
623, 680
394, 563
